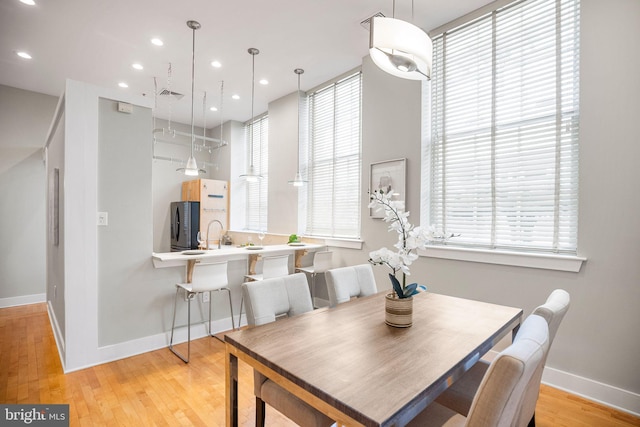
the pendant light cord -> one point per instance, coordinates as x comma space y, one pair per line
193, 74
253, 51
253, 86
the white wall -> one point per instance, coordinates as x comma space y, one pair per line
24, 120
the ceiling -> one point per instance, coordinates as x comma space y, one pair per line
97, 41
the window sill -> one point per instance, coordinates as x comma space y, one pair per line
344, 243
517, 259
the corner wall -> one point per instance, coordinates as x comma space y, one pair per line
24, 120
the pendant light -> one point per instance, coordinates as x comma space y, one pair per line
298, 181
192, 167
400, 48
251, 175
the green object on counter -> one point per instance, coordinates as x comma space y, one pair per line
293, 238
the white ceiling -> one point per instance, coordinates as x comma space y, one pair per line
97, 41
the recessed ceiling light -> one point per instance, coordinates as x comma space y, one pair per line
213, 109
137, 66
29, 2
23, 54
235, 96
157, 42
216, 64
264, 82
123, 85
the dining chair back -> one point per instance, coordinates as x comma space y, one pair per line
266, 301
345, 283
500, 396
321, 263
275, 297
206, 278
553, 311
459, 396
272, 266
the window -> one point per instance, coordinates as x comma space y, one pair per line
257, 194
334, 163
502, 156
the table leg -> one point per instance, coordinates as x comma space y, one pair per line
231, 370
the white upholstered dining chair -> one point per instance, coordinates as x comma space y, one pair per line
268, 300
499, 399
272, 266
460, 395
345, 283
206, 278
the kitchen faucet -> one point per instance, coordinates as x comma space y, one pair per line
219, 236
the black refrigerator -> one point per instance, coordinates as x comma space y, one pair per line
185, 224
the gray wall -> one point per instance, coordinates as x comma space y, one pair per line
125, 275
24, 120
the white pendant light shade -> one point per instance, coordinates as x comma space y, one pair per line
298, 181
251, 175
192, 168
400, 48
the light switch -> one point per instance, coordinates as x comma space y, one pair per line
103, 218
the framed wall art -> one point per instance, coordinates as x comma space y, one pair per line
388, 176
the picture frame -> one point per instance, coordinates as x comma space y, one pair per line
388, 175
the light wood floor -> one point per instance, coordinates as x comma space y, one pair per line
157, 389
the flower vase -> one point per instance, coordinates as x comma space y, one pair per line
398, 312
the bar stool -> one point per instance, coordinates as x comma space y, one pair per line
206, 278
272, 266
321, 263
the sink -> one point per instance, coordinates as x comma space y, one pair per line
193, 252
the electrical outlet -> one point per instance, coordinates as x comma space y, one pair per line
205, 297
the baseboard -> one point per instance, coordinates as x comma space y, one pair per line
57, 334
22, 300
110, 353
604, 394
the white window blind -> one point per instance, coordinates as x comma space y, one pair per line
257, 192
503, 150
333, 194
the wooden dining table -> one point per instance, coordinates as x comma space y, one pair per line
347, 363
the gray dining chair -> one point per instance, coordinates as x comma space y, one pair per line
460, 395
345, 283
266, 301
498, 401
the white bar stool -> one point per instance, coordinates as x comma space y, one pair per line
206, 278
321, 263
